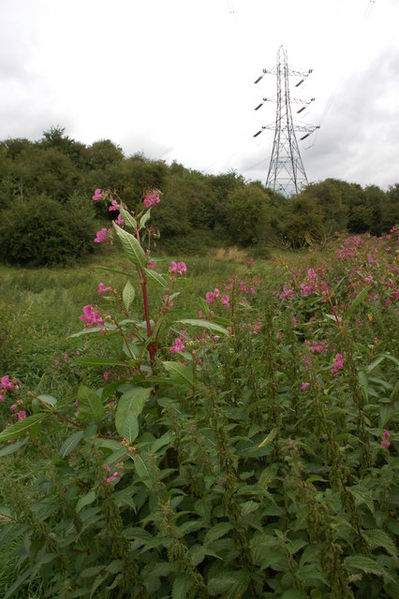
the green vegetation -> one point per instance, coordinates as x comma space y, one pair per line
198, 210
249, 450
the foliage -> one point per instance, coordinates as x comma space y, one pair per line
249, 452
41, 231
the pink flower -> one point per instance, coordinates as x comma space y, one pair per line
97, 195
101, 235
119, 221
319, 347
66, 357
113, 476
102, 288
92, 317
151, 265
178, 268
114, 206
21, 415
304, 386
216, 292
386, 442
177, 346
57, 362
151, 197
105, 375
14, 407
287, 292
226, 301
338, 363
6, 384
209, 297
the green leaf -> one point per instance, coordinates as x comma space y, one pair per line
378, 538
364, 383
128, 295
155, 276
90, 405
126, 424
356, 302
362, 496
85, 500
20, 428
217, 532
269, 438
48, 400
204, 324
145, 218
294, 594
94, 361
181, 586
13, 447
227, 581
141, 468
128, 218
131, 246
179, 373
135, 399
93, 330
365, 564
69, 444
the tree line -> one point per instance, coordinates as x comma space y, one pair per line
58, 173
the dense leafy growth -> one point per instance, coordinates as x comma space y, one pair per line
216, 209
250, 452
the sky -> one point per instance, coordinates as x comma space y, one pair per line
174, 79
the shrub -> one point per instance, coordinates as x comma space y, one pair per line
42, 232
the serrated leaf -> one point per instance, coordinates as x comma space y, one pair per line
135, 398
90, 405
85, 500
155, 276
228, 580
205, 324
179, 373
130, 221
362, 496
69, 444
127, 425
20, 428
141, 468
378, 538
365, 564
181, 586
128, 295
131, 246
217, 532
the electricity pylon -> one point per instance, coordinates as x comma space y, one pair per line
286, 171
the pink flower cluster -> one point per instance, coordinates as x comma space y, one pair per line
151, 197
7, 385
338, 363
178, 268
287, 292
114, 206
212, 296
102, 235
304, 386
113, 476
92, 317
385, 443
97, 195
319, 347
177, 346
102, 288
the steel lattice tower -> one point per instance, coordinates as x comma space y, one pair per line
286, 172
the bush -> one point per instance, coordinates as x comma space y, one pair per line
43, 232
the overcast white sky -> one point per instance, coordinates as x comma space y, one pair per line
174, 79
